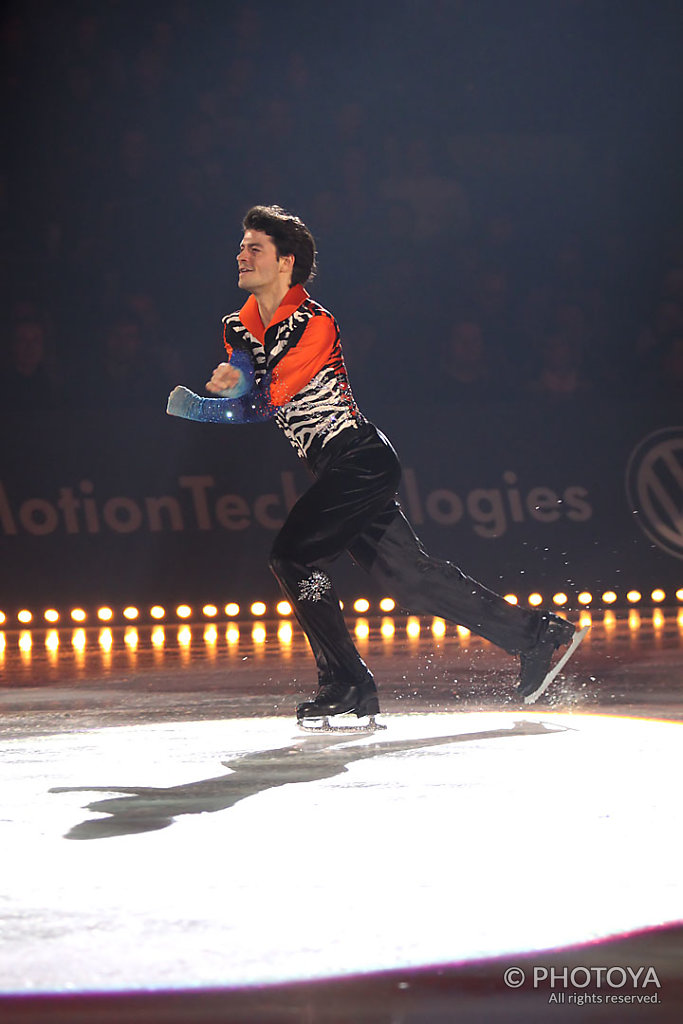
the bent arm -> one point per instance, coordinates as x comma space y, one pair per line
253, 408
242, 402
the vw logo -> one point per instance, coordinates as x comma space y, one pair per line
654, 485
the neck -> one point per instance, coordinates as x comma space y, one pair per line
269, 300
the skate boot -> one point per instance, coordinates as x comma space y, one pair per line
336, 698
536, 672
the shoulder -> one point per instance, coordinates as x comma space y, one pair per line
234, 328
311, 308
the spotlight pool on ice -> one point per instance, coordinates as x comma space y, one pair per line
241, 852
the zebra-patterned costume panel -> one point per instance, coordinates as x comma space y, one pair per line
322, 409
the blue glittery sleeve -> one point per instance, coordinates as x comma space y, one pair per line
253, 407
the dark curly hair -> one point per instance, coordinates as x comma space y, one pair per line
290, 236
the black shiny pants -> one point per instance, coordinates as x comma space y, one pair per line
352, 507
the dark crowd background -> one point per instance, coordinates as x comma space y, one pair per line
495, 187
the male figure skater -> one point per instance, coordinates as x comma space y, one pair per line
285, 362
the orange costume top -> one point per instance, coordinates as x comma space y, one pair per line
292, 370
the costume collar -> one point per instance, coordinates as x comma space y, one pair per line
251, 318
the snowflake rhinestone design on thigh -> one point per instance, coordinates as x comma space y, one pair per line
315, 586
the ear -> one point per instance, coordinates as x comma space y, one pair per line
287, 264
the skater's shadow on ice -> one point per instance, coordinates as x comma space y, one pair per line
147, 809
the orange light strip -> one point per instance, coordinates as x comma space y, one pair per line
29, 618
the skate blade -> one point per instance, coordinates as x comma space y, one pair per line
326, 723
578, 638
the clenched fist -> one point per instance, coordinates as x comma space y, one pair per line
224, 378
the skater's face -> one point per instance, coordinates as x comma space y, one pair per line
258, 264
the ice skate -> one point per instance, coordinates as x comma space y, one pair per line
328, 710
537, 671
